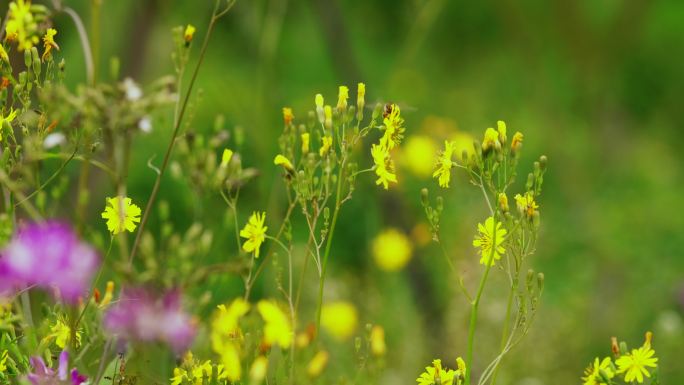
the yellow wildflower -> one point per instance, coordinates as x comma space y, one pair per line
62, 334
3, 54
501, 128
327, 111
278, 329
436, 375
121, 215
320, 111
342, 97
21, 25
418, 154
257, 372
491, 140
3, 361
179, 374
49, 43
503, 202
255, 233
226, 157
384, 166
281, 160
339, 319
318, 363
319, 100
394, 130
189, 33
360, 96
200, 371
599, 372
377, 341
485, 241
444, 164
305, 142
325, 147
391, 250
109, 294
288, 116
526, 204
517, 141
225, 334
634, 364
460, 368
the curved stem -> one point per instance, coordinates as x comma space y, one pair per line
85, 44
155, 189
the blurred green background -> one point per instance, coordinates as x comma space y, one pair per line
594, 85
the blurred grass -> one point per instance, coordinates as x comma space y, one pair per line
594, 85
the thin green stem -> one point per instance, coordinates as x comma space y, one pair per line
504, 333
167, 156
475, 305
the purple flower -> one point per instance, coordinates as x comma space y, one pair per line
51, 256
42, 375
140, 316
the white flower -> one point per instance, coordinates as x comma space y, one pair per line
133, 91
145, 124
53, 140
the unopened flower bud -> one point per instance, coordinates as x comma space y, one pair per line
530, 280
424, 196
542, 161
540, 281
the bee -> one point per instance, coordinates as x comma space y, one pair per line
387, 110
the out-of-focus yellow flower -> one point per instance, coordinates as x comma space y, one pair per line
319, 100
304, 338
516, 142
491, 140
501, 128
281, 160
21, 25
327, 111
436, 375
3, 54
317, 364
503, 202
109, 294
418, 155
225, 335
62, 334
288, 116
201, 371
305, 142
189, 33
391, 250
277, 329
325, 146
384, 166
526, 204
226, 157
485, 241
444, 164
255, 233
257, 372
377, 341
592, 374
460, 368
320, 110
360, 96
121, 215
342, 97
49, 43
3, 361
462, 142
179, 375
394, 129
339, 319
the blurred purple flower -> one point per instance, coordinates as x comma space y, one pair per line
51, 256
140, 316
42, 375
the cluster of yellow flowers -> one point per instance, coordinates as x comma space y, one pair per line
438, 375
394, 129
632, 365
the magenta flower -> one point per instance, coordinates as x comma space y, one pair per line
140, 316
51, 256
42, 375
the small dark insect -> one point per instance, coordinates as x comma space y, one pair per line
387, 110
